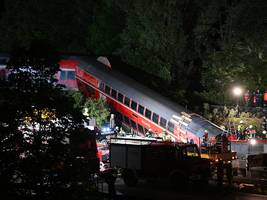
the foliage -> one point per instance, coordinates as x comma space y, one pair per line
104, 31
36, 122
199, 48
97, 109
93, 108
229, 116
78, 98
150, 38
235, 51
27, 21
255, 122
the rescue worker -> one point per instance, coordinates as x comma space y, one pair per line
112, 121
168, 138
264, 134
258, 96
218, 139
265, 99
116, 131
264, 123
240, 129
247, 98
254, 100
252, 131
205, 138
229, 173
224, 143
164, 135
110, 180
149, 133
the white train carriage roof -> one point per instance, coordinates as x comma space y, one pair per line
132, 89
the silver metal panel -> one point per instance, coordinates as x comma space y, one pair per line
265, 148
134, 157
118, 155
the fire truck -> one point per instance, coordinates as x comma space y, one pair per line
136, 157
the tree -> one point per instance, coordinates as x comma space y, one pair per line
97, 109
107, 24
234, 50
159, 37
92, 108
27, 21
150, 38
36, 122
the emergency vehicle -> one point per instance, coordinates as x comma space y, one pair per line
136, 157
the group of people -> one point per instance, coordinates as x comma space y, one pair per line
220, 142
240, 132
244, 132
255, 98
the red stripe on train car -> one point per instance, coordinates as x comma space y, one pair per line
87, 77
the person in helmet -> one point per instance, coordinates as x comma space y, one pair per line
149, 133
205, 138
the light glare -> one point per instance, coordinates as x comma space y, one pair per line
237, 91
253, 141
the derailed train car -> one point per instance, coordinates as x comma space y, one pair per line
137, 106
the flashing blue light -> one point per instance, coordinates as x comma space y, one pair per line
106, 129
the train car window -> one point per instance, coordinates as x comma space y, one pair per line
71, 75
148, 114
126, 120
140, 129
155, 118
107, 90
141, 109
127, 101
114, 93
163, 122
62, 75
102, 86
133, 105
133, 124
171, 127
120, 97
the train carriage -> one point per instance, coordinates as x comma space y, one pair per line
137, 106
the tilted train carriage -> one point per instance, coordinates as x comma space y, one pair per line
137, 106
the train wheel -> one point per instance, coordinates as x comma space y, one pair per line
130, 177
